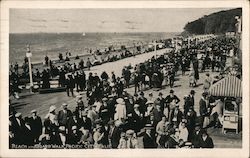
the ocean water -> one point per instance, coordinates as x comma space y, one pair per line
52, 44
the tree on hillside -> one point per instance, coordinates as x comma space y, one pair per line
215, 23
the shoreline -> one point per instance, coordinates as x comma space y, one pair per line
129, 41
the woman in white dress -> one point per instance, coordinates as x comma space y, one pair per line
120, 109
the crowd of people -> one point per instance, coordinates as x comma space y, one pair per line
113, 118
118, 122
58, 69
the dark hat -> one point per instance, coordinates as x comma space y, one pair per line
160, 94
27, 120
192, 92
171, 91
141, 93
203, 131
172, 131
204, 94
135, 94
186, 97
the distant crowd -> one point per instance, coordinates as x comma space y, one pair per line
113, 118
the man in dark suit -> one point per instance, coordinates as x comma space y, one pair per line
36, 125
172, 141
28, 135
196, 136
205, 140
136, 119
85, 122
104, 111
176, 116
171, 100
73, 121
114, 134
203, 107
64, 115
18, 128
191, 96
74, 137
70, 84
157, 113
161, 101
187, 104
191, 120
172, 97
142, 102
148, 138
106, 129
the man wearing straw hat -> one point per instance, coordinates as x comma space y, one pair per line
132, 142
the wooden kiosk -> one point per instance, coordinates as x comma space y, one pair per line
230, 88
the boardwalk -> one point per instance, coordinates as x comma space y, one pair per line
42, 102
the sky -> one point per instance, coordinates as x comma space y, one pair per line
104, 20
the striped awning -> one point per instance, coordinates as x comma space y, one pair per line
229, 86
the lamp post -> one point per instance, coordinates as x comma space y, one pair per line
29, 55
155, 48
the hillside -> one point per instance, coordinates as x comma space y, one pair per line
216, 23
